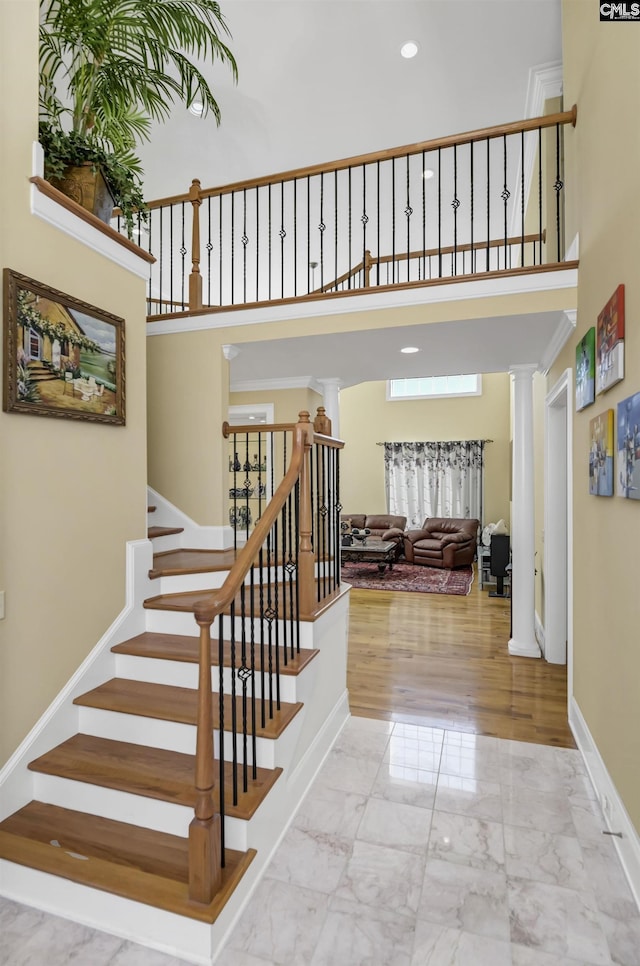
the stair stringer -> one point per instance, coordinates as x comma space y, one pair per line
60, 720
194, 536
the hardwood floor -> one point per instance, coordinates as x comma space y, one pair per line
442, 661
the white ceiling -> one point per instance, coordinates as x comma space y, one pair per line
324, 79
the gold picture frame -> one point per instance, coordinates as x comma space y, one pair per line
62, 357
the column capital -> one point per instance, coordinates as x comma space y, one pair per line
526, 370
330, 381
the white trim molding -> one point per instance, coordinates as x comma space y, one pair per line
54, 214
615, 814
565, 329
539, 631
194, 536
545, 81
286, 382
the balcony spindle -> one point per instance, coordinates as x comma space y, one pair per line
195, 278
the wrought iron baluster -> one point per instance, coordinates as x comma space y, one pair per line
424, 218
209, 248
488, 207
282, 233
366, 256
557, 187
262, 640
220, 248
221, 758
295, 237
171, 259
335, 227
393, 219
270, 614
439, 212
234, 714
349, 260
236, 467
150, 273
257, 244
297, 562
276, 599
252, 644
244, 674
455, 204
269, 227
540, 193
245, 242
472, 256
408, 212
338, 558
161, 262
233, 246
308, 234
505, 195
378, 221
183, 252
321, 229
522, 196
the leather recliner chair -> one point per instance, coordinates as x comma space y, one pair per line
442, 542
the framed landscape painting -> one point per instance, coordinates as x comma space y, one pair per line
62, 357
601, 454
629, 447
610, 342
586, 370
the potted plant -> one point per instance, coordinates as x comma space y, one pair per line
108, 69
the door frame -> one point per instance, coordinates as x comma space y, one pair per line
558, 524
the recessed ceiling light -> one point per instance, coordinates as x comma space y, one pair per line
252, 417
197, 108
410, 49
428, 173
409, 349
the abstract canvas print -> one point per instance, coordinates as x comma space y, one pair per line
629, 447
586, 370
610, 342
601, 454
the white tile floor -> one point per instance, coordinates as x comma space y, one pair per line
414, 846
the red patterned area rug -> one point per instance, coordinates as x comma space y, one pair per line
407, 577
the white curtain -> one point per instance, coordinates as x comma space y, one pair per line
434, 480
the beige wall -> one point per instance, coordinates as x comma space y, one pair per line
188, 401
71, 493
366, 418
287, 403
602, 75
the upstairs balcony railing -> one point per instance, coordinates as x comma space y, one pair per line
466, 205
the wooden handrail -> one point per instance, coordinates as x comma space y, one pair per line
228, 429
482, 134
371, 261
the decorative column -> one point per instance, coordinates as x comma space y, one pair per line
331, 400
523, 639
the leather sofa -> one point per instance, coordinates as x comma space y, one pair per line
382, 526
442, 542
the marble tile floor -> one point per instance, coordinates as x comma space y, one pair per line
414, 847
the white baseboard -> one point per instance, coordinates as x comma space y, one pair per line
539, 632
194, 536
615, 814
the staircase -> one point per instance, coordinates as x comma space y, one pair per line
99, 830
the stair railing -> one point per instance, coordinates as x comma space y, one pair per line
490, 200
288, 569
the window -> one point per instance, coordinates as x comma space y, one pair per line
426, 387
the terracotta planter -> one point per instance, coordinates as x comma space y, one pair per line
87, 186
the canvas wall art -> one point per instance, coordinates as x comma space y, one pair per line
586, 370
629, 447
610, 342
62, 357
601, 454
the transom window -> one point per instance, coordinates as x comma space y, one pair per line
429, 387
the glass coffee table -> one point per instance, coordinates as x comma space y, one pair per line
380, 552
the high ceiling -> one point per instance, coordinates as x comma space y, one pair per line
323, 79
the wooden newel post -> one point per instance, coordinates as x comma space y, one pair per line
367, 268
195, 278
205, 859
322, 423
306, 556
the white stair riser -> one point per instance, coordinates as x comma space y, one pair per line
180, 622
181, 583
172, 735
132, 809
167, 541
185, 675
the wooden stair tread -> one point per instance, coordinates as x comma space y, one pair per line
185, 601
170, 703
163, 531
137, 863
171, 563
151, 772
176, 647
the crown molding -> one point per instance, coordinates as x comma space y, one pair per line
545, 81
564, 331
258, 385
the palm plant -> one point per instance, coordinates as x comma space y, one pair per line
108, 68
